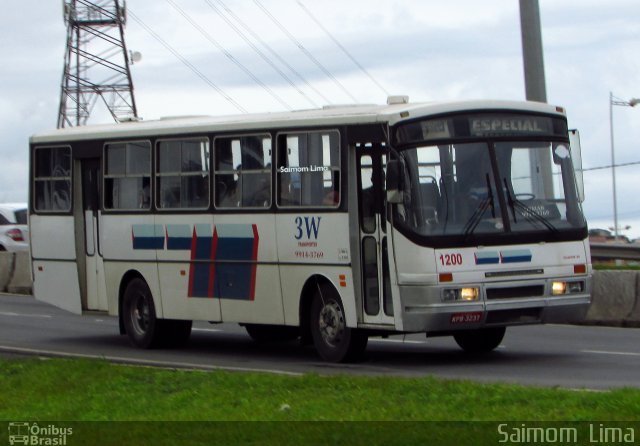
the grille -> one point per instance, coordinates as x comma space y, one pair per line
515, 292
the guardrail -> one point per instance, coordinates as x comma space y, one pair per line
615, 251
15, 272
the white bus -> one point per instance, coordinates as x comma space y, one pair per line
331, 225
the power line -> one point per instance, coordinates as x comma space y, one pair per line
188, 64
304, 50
344, 50
228, 54
259, 52
633, 163
272, 51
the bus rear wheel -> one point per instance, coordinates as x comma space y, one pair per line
141, 324
139, 315
333, 340
482, 340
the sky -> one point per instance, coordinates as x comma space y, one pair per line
429, 50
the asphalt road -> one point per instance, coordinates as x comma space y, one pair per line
551, 355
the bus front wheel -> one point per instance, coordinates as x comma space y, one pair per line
333, 340
482, 340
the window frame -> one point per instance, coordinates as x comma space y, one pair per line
233, 171
156, 174
106, 176
35, 180
339, 170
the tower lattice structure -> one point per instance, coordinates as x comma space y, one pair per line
96, 65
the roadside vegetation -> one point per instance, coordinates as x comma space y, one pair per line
163, 407
92, 390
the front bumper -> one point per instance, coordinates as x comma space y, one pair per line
424, 311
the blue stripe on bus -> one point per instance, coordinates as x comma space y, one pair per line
179, 237
145, 236
516, 256
487, 258
233, 280
213, 271
234, 248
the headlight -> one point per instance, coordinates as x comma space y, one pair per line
460, 294
559, 288
469, 293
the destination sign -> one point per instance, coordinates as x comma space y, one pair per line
510, 125
481, 125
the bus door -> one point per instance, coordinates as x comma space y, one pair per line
94, 289
374, 242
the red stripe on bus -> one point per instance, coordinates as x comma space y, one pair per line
192, 266
212, 264
254, 267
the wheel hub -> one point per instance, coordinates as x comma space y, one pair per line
332, 323
140, 316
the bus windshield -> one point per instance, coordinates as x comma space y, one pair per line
479, 191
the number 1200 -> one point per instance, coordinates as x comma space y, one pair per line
451, 259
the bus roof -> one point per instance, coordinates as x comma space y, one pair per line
327, 116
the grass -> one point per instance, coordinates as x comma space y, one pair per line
87, 396
87, 390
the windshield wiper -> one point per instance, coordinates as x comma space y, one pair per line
476, 217
528, 213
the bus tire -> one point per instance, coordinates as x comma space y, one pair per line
142, 326
333, 340
272, 333
482, 340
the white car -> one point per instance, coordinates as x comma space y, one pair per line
14, 231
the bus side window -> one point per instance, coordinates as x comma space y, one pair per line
52, 192
127, 175
308, 169
243, 172
182, 174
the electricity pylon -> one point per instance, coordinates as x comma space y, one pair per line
96, 63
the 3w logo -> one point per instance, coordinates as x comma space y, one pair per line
309, 226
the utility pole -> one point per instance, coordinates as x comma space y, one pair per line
96, 63
532, 53
535, 85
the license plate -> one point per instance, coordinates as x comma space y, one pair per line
466, 318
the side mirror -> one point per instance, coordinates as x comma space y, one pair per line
576, 158
395, 182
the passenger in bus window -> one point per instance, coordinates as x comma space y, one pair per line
144, 196
262, 197
230, 195
332, 197
61, 201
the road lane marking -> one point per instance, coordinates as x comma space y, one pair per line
601, 352
206, 329
6, 313
144, 362
399, 341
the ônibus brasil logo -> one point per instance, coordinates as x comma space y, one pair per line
34, 434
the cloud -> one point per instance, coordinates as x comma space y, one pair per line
429, 50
